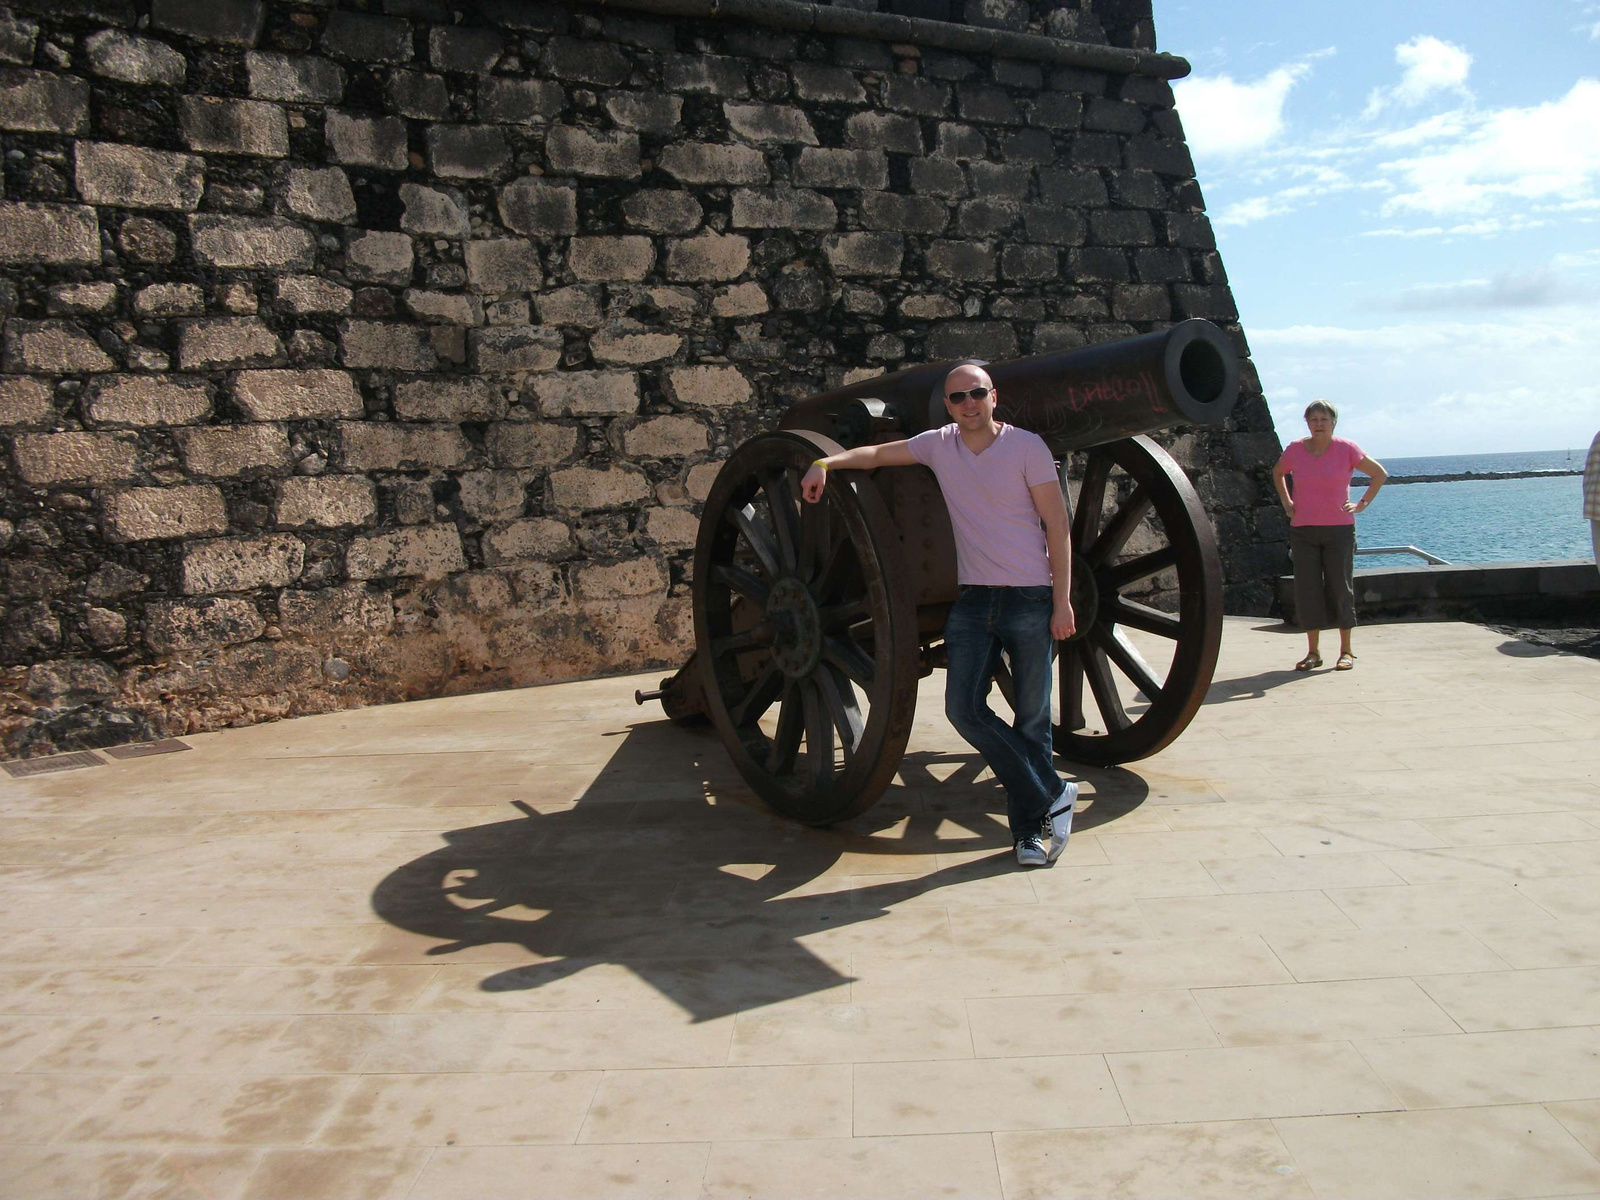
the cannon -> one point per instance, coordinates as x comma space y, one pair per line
814, 622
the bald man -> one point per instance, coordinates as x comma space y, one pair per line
1014, 565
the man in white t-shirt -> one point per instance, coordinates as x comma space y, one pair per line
1014, 565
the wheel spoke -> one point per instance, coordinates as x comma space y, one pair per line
841, 616
1122, 611
754, 530
785, 519
1132, 664
1104, 689
1091, 497
757, 636
1142, 567
843, 653
741, 581
842, 707
839, 567
759, 697
1070, 672
1121, 526
791, 724
816, 539
819, 735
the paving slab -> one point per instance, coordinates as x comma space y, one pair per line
1341, 939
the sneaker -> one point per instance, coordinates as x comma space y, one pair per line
1058, 825
1030, 853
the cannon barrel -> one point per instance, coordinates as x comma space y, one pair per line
1074, 399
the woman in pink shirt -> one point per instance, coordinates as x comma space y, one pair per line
1322, 528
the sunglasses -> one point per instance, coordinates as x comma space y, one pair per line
975, 393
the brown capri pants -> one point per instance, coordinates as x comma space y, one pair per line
1324, 560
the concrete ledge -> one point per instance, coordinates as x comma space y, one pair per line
889, 27
1476, 591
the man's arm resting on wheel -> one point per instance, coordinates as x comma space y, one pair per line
862, 458
1052, 511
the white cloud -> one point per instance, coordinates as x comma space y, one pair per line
1224, 117
1550, 152
1539, 287
1430, 66
1523, 380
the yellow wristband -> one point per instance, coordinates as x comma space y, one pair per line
821, 462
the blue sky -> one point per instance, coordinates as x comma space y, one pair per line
1407, 200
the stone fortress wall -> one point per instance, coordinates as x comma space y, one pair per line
355, 355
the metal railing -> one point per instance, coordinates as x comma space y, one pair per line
1431, 559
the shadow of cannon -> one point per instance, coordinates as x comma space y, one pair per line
709, 898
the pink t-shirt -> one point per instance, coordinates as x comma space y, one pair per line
999, 540
1321, 485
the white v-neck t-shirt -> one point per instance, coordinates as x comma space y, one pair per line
999, 539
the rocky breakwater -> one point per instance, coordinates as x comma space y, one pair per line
354, 356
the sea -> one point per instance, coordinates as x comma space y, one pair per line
1479, 520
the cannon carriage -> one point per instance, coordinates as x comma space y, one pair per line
814, 622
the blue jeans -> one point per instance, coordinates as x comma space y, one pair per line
983, 622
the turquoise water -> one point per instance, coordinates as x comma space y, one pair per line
1479, 520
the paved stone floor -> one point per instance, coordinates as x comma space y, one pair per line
1342, 939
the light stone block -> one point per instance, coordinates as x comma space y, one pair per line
49, 234
502, 265
769, 124
514, 348
150, 514
116, 55
367, 141
434, 211
450, 400
349, 609
284, 395
370, 446
321, 194
489, 496
298, 79
587, 488
42, 101
52, 348
628, 343
605, 581
134, 177
327, 501
218, 126
530, 443
191, 625
302, 294
429, 551
224, 451
708, 387
610, 154
864, 253
537, 208
665, 437
702, 163
252, 243
740, 300
161, 300
444, 308
533, 538
93, 458
25, 402
227, 342
708, 257
241, 564
587, 393
380, 257
611, 259
662, 210
143, 400
386, 346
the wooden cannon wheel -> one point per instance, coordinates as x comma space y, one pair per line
806, 630
1095, 724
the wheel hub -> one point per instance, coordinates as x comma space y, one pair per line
1085, 596
796, 628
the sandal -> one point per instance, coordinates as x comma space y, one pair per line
1309, 663
1347, 662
